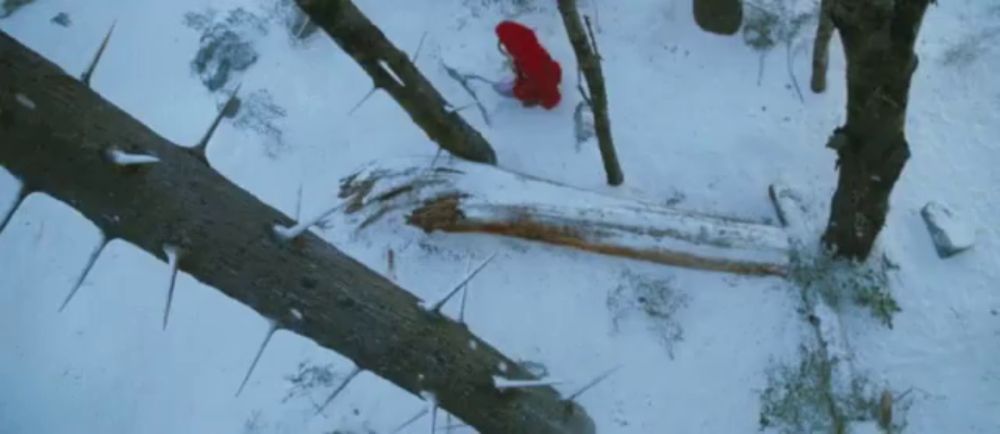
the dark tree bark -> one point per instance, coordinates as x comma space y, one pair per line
55, 135
722, 17
821, 48
390, 69
878, 39
589, 61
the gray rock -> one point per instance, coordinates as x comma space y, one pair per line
950, 235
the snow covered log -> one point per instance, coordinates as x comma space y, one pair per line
466, 197
391, 69
54, 137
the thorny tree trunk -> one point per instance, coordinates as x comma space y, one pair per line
821, 48
878, 38
390, 69
54, 136
589, 61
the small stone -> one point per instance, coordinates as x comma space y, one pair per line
950, 236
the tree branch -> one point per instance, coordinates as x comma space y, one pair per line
588, 61
57, 145
391, 69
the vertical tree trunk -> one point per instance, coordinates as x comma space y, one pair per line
821, 48
588, 60
878, 38
391, 70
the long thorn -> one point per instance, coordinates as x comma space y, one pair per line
410, 421
420, 45
260, 351
173, 254
597, 380
363, 99
85, 78
298, 203
340, 388
225, 111
83, 275
436, 306
465, 295
22, 193
288, 233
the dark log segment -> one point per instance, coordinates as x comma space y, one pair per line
54, 136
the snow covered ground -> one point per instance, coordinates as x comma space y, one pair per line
693, 126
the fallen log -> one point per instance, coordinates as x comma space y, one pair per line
62, 139
462, 197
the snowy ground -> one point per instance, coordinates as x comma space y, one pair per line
692, 125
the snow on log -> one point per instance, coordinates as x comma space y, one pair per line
465, 197
308, 287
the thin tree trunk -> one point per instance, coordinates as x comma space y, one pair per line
878, 39
391, 69
821, 48
589, 61
55, 135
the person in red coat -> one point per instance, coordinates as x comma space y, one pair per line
538, 76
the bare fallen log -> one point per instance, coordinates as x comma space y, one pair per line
391, 70
463, 197
57, 137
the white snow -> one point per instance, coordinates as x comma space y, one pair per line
388, 69
25, 101
691, 124
122, 158
502, 383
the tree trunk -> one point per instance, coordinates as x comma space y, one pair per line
589, 61
55, 135
463, 198
878, 39
821, 48
392, 70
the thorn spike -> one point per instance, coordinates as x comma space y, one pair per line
298, 204
173, 255
597, 380
501, 383
202, 145
436, 307
85, 78
22, 193
83, 274
420, 45
363, 99
290, 233
260, 351
340, 388
410, 421
465, 295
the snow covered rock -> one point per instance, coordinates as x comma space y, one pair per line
950, 235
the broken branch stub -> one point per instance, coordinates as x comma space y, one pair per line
463, 197
309, 288
391, 69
